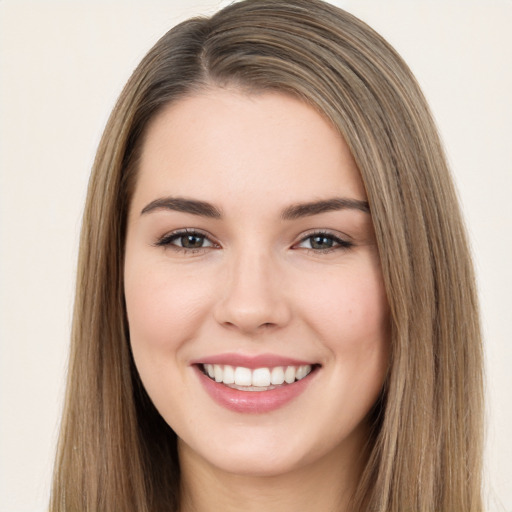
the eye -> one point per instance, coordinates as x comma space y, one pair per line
186, 240
323, 242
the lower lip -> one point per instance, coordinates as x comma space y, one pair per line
256, 402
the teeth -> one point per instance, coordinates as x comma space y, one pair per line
277, 375
260, 377
229, 375
243, 376
301, 372
289, 374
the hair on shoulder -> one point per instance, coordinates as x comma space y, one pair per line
115, 451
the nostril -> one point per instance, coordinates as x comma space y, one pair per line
261, 327
252, 311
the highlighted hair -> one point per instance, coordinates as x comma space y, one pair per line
115, 451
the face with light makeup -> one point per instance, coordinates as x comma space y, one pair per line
257, 313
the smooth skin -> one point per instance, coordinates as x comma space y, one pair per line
249, 281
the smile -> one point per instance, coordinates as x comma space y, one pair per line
259, 379
254, 385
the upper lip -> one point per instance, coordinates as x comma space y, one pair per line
251, 361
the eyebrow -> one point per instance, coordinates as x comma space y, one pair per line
180, 204
295, 211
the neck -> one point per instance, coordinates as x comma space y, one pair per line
326, 485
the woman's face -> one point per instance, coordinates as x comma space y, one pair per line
251, 256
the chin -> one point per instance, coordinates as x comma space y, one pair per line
252, 462
264, 451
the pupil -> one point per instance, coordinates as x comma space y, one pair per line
192, 241
321, 242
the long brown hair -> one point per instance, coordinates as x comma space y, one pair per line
115, 451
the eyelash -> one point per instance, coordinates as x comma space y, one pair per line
167, 241
338, 243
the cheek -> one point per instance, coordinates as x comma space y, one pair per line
351, 311
163, 306
350, 314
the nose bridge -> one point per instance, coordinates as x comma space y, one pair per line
253, 296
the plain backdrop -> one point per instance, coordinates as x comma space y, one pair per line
62, 65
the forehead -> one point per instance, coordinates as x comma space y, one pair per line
223, 144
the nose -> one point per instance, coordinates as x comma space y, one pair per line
253, 295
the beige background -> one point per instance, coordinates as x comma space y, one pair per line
62, 64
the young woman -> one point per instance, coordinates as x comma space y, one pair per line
275, 302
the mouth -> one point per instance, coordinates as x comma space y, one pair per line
255, 385
258, 379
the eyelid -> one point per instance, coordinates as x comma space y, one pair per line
342, 241
166, 240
